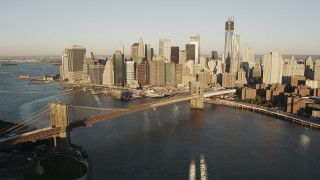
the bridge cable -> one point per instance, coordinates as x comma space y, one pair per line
21, 121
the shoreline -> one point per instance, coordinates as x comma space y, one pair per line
278, 115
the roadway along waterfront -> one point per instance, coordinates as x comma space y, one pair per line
260, 109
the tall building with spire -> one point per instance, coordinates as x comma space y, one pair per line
229, 28
195, 39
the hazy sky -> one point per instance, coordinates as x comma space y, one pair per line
43, 27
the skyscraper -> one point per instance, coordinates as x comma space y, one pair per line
175, 54
317, 70
170, 74
247, 55
135, 53
235, 55
72, 63
309, 71
165, 48
272, 68
229, 28
108, 74
96, 73
118, 68
121, 47
203, 62
129, 71
157, 73
148, 52
195, 39
214, 55
141, 49
182, 57
178, 74
88, 60
143, 74
256, 72
190, 52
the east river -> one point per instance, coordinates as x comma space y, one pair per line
171, 142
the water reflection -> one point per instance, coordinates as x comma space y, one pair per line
202, 167
97, 100
192, 170
304, 141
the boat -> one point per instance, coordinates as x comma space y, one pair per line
24, 76
155, 95
122, 94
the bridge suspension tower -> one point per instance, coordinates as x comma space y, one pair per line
59, 119
196, 90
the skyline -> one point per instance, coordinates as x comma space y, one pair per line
46, 28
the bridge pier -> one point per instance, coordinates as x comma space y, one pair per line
59, 118
196, 90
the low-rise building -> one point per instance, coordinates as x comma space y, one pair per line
296, 105
248, 93
298, 80
313, 84
302, 91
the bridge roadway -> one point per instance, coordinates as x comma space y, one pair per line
133, 109
29, 136
266, 111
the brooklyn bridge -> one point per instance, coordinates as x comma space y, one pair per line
61, 123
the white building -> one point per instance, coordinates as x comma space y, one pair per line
165, 48
317, 70
121, 47
182, 57
129, 70
235, 57
204, 62
247, 55
272, 68
313, 84
108, 74
291, 68
195, 39
212, 65
141, 48
190, 65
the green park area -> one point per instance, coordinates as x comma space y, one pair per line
60, 167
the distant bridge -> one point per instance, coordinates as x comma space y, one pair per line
59, 117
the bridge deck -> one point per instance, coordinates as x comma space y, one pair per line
29, 136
